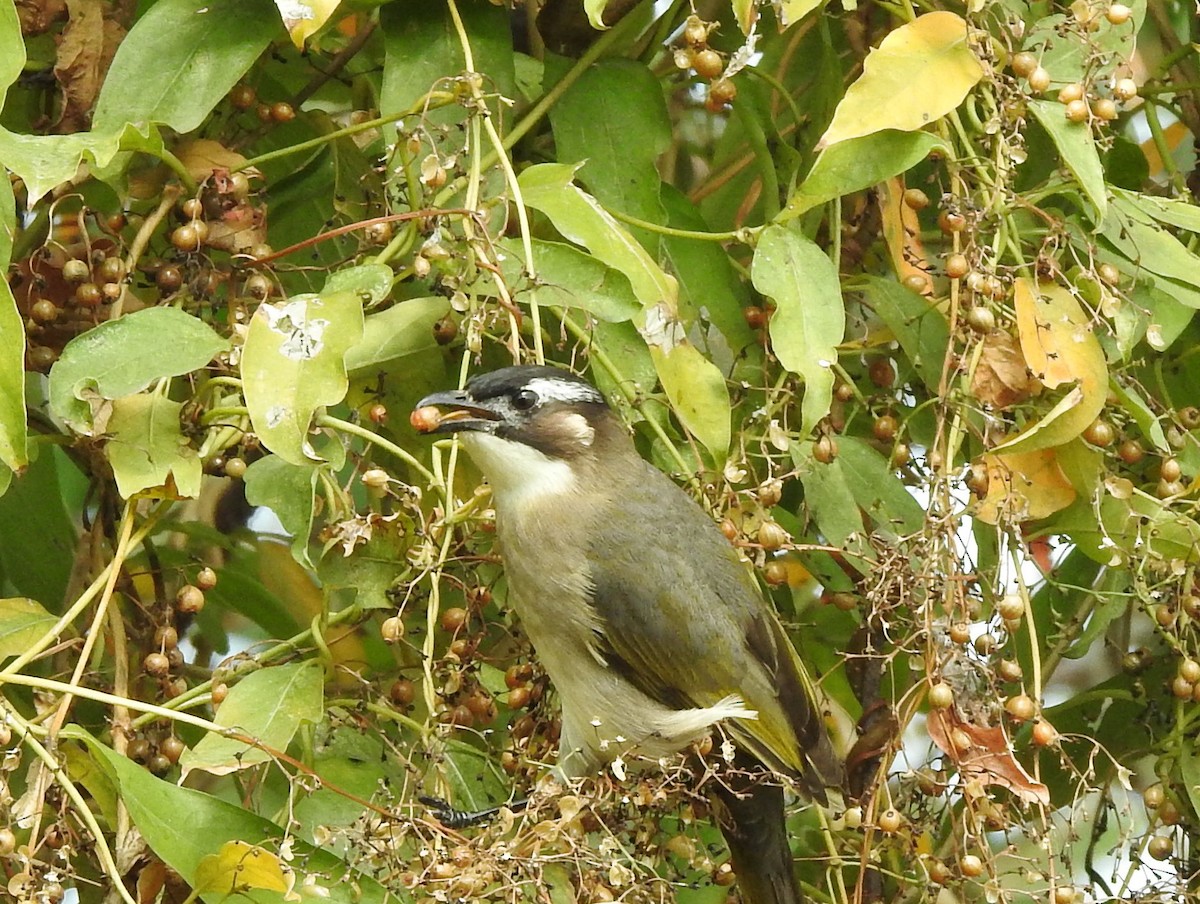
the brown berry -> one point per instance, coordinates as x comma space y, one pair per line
156, 664
281, 111
189, 599
825, 449
970, 865
206, 578
242, 97
1023, 63
402, 692
392, 629
941, 696
882, 373
756, 317
445, 331
722, 91
88, 294
957, 266
915, 199
708, 63
168, 278
771, 536
885, 428
1021, 707
1039, 80
453, 619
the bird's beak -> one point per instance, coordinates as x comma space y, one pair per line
459, 412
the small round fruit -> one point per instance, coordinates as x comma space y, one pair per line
76, 271
901, 455
220, 690
1021, 707
981, 319
235, 468
445, 331
881, 373
189, 599
172, 748
156, 664
206, 578
392, 629
1108, 274
239, 186
519, 697
775, 573
242, 97
1170, 469
1010, 606
941, 696
755, 317
1118, 14
159, 764
454, 618
281, 111
916, 282
191, 209
1044, 734
957, 266
695, 31
825, 449
44, 311
187, 237
1189, 670
1182, 688
1160, 847
1125, 90
1154, 796
885, 428
1105, 109
88, 294
1131, 452
724, 875
1076, 111
168, 278
166, 637
770, 491
8, 841
112, 269
1023, 63
1071, 92
960, 632
890, 821
375, 478
1039, 80
708, 63
950, 222
1010, 670
722, 91
1100, 433
379, 233
402, 692
970, 865
259, 287
771, 536
426, 419
915, 199
378, 413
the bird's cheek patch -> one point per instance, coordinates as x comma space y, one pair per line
577, 426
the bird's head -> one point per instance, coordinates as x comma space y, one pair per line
521, 425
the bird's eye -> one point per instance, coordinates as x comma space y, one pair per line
525, 399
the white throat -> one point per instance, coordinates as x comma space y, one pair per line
519, 474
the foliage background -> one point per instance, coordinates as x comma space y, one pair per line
915, 323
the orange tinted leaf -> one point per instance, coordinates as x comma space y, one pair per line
1024, 486
989, 757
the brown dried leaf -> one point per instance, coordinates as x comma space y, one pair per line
1001, 378
988, 757
85, 50
36, 16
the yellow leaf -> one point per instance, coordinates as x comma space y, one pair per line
304, 18
1024, 486
238, 866
789, 12
746, 13
902, 232
919, 73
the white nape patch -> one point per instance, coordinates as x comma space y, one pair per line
519, 474
564, 391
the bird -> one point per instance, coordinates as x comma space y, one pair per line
651, 629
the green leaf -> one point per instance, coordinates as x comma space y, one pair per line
877, 490
183, 826
1139, 409
404, 329
569, 278
1171, 211
827, 495
1078, 151
918, 326
288, 490
22, 621
293, 363
371, 282
474, 781
146, 447
198, 50
578, 216
860, 163
269, 706
809, 320
124, 356
12, 50
613, 123
44, 161
698, 394
422, 47
13, 436
1148, 246
37, 536
920, 72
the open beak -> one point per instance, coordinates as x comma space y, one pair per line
458, 412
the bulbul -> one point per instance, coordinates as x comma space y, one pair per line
647, 623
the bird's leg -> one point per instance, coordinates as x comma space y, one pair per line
464, 819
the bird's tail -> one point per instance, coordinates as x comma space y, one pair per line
752, 820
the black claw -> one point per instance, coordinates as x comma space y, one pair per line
464, 819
